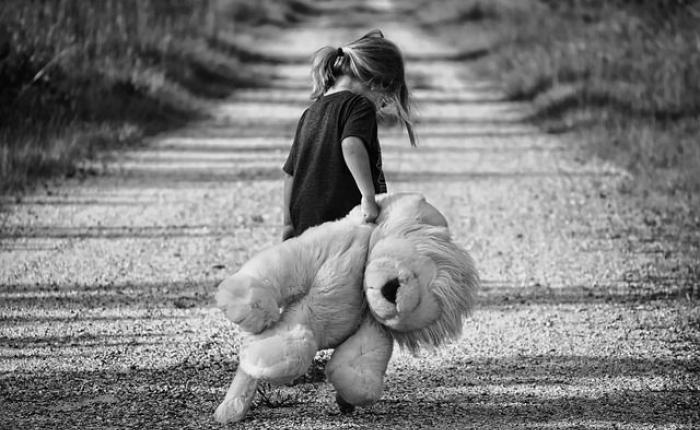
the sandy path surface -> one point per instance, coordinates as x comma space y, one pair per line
106, 283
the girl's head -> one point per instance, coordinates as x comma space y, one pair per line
371, 60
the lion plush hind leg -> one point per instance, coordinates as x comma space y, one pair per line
356, 368
280, 354
238, 398
277, 355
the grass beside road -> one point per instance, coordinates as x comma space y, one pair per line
78, 78
621, 74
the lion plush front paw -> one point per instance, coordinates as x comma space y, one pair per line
248, 302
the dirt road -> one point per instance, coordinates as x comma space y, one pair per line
106, 317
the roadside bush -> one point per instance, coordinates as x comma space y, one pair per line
76, 75
622, 73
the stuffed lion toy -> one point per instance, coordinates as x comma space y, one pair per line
351, 286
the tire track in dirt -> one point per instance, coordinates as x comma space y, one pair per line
106, 283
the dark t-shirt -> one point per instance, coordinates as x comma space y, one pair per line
323, 188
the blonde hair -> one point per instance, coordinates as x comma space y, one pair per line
372, 60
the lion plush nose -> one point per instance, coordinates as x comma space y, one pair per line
390, 289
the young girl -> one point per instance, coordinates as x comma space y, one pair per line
335, 161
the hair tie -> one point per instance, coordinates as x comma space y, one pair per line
340, 52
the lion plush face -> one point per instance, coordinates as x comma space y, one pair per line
418, 283
396, 285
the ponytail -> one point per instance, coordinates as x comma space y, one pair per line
325, 68
402, 103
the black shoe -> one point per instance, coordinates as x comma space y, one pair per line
345, 407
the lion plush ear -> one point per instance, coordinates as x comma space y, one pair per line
418, 283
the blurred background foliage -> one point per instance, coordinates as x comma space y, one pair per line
623, 74
80, 76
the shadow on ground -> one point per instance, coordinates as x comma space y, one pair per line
465, 395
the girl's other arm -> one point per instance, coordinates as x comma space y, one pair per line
287, 229
357, 160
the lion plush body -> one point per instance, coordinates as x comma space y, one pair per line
353, 287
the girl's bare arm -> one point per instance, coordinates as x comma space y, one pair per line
357, 160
